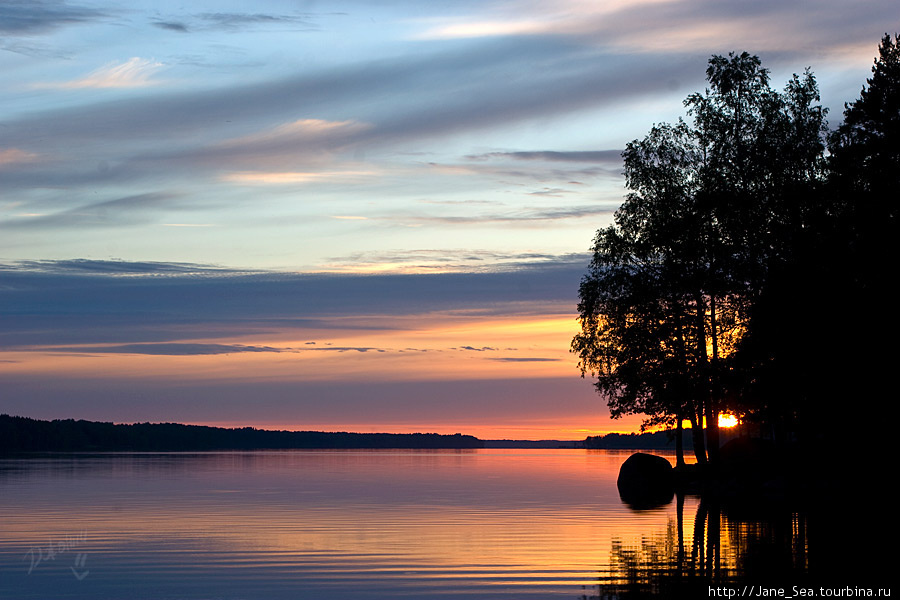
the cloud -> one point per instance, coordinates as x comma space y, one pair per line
128, 210
341, 403
11, 156
481, 29
133, 73
33, 49
613, 157
341, 349
85, 303
171, 26
525, 359
398, 99
445, 260
305, 127
113, 267
524, 216
234, 21
551, 192
166, 349
313, 139
285, 178
28, 17
659, 26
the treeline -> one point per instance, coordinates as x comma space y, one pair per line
649, 440
656, 440
21, 434
750, 268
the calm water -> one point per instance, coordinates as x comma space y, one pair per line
362, 524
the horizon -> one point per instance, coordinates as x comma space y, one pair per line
374, 218
281, 428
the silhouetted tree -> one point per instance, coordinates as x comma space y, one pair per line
792, 364
668, 292
866, 174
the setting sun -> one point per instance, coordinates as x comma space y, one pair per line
727, 420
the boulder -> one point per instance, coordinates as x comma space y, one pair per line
646, 481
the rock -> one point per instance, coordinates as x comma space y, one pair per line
646, 481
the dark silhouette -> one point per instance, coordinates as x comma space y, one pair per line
20, 434
646, 481
748, 271
648, 440
745, 269
731, 543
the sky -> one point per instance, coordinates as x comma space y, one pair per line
353, 216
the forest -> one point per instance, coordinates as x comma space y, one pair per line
21, 434
748, 271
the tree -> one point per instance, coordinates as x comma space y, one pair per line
865, 165
836, 350
668, 291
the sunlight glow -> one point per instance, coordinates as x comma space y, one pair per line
727, 420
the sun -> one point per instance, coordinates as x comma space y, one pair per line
727, 420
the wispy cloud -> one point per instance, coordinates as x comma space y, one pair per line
18, 17
171, 26
446, 260
233, 21
656, 26
521, 216
579, 156
165, 349
11, 156
284, 178
133, 73
473, 29
127, 210
301, 131
525, 359
82, 266
90, 302
306, 141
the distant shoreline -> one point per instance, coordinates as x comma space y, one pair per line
24, 434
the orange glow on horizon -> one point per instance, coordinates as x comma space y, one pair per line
561, 429
459, 347
424, 347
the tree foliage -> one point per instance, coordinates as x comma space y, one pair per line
714, 204
821, 333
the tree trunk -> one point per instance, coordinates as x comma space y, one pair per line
712, 405
682, 362
679, 442
703, 391
697, 438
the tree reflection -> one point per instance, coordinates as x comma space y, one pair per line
727, 545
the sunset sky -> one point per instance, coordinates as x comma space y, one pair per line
367, 216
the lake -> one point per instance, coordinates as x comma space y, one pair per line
370, 524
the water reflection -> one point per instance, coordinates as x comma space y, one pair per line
485, 524
718, 545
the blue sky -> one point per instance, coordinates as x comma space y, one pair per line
217, 147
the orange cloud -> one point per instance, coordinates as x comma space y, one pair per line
11, 156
